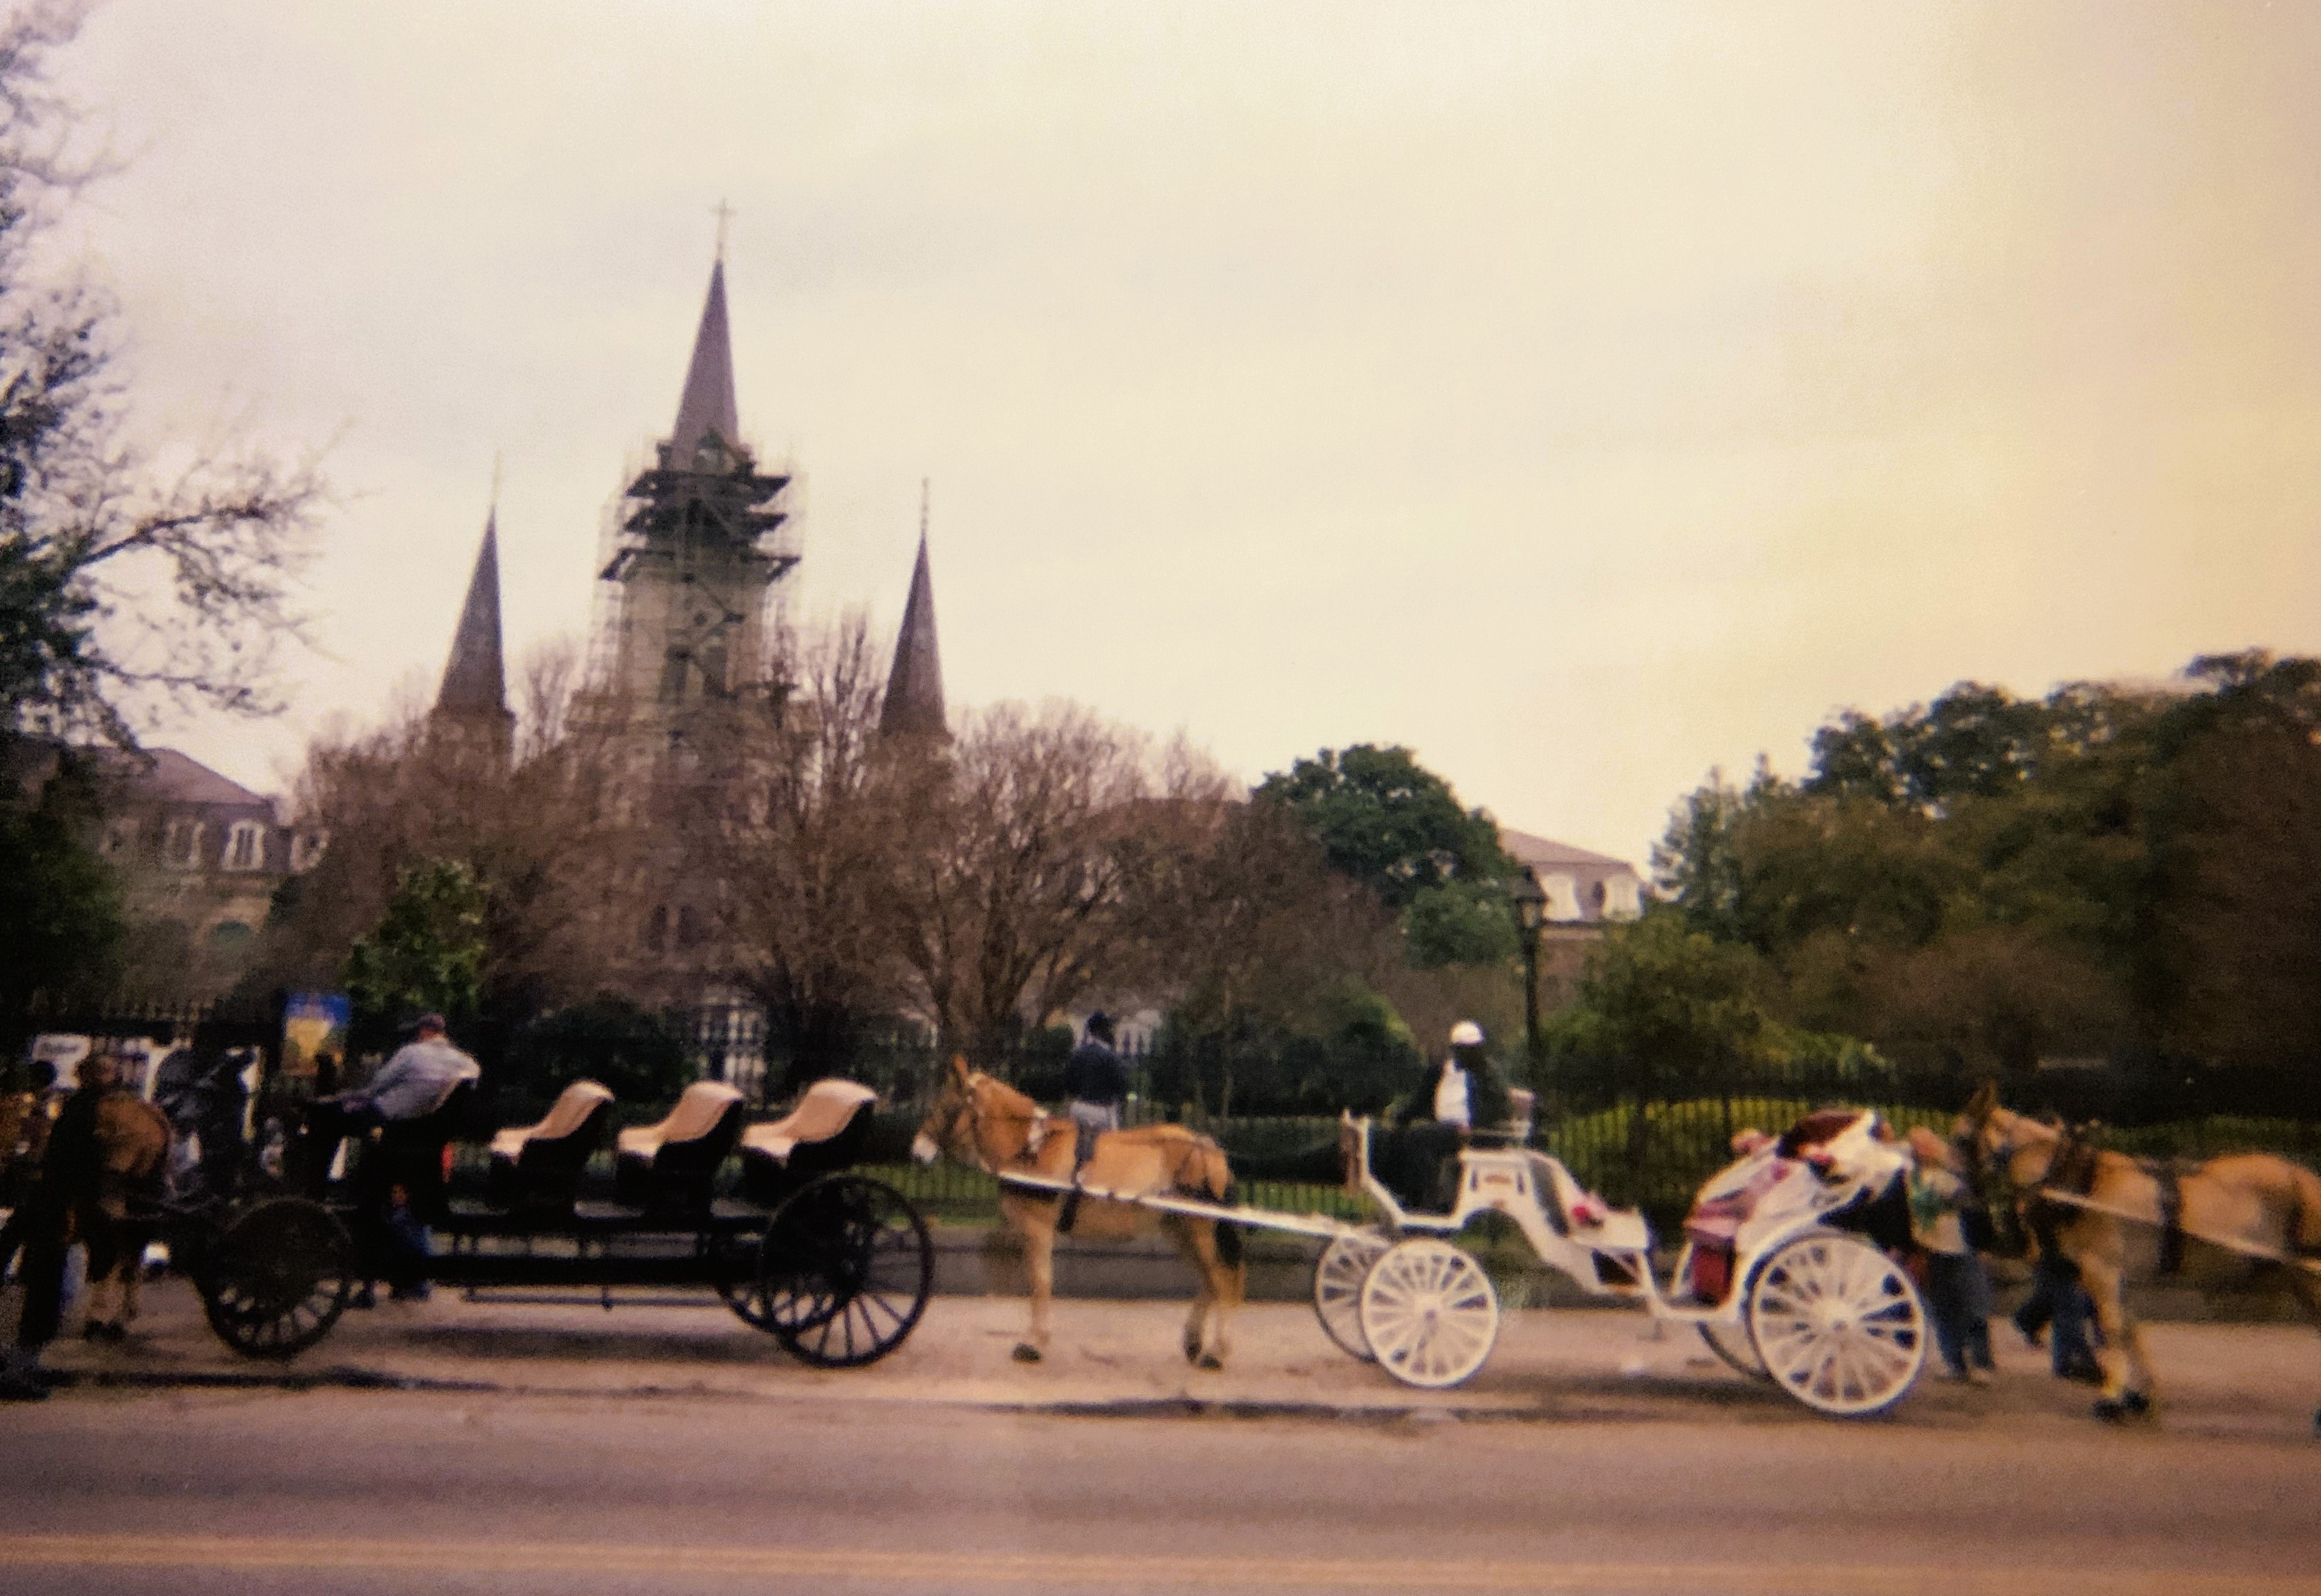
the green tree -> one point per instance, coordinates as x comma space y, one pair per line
60, 901
631, 1051
1389, 823
425, 954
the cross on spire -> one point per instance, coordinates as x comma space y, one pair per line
724, 213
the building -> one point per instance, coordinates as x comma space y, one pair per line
1586, 891
199, 856
684, 655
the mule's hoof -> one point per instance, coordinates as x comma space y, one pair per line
1025, 1353
1208, 1360
2135, 1402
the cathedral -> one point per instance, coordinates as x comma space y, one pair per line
687, 633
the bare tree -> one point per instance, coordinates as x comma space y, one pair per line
125, 589
1028, 849
798, 835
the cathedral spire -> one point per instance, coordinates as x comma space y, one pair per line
707, 405
475, 681
913, 705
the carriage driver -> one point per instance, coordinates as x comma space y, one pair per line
408, 1087
1095, 1086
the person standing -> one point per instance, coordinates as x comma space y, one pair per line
1958, 1289
72, 1172
1095, 1088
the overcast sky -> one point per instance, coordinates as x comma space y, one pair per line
1584, 396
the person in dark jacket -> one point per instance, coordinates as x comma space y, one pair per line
1095, 1088
70, 1183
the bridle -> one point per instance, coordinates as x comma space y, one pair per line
970, 1108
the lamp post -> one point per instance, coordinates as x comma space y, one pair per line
1531, 913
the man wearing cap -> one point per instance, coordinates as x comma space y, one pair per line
1095, 1086
409, 1085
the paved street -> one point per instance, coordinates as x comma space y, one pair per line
339, 1491
552, 1447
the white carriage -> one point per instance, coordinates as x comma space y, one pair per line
1776, 1275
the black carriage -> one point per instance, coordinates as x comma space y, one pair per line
835, 1266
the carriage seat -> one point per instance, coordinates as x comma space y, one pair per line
539, 1166
824, 1132
671, 1164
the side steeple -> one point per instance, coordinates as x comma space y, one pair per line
913, 705
474, 693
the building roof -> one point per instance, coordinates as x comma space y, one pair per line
914, 695
1528, 850
707, 405
474, 680
170, 776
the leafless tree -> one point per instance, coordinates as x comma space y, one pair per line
127, 587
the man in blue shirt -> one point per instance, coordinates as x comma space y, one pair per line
1095, 1086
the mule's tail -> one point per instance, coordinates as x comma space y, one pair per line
1229, 1248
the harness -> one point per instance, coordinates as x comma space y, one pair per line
2070, 1178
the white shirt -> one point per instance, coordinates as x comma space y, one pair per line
1450, 1103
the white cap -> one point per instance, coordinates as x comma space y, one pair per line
1466, 1034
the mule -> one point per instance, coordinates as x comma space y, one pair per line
132, 1145
2247, 1218
992, 1127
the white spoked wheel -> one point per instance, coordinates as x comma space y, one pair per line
1731, 1344
1838, 1324
1338, 1279
1429, 1313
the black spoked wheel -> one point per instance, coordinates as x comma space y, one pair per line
843, 1271
733, 1270
277, 1276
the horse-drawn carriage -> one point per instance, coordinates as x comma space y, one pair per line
1781, 1272
1785, 1272
835, 1266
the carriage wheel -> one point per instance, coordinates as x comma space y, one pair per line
277, 1276
1338, 1279
1732, 1343
1428, 1312
733, 1271
1838, 1324
843, 1271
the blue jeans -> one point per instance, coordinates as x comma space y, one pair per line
2058, 1297
1958, 1300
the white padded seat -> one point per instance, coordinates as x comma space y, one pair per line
697, 1111
570, 1111
826, 1107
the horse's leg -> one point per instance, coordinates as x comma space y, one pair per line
1040, 1264
2119, 1357
1201, 1349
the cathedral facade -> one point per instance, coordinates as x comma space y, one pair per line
686, 650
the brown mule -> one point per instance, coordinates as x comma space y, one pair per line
2229, 1222
132, 1144
989, 1124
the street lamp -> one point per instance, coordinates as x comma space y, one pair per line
1531, 913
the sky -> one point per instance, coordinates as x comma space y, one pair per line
1584, 396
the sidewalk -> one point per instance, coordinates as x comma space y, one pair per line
1121, 1358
